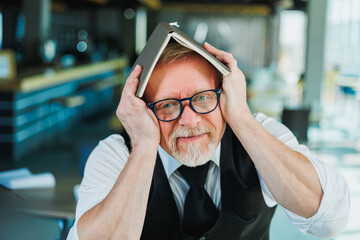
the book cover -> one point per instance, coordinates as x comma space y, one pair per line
155, 45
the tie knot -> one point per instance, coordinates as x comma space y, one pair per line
195, 176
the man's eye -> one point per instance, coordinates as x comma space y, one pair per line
167, 105
201, 98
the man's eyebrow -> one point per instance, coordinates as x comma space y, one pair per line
172, 96
166, 97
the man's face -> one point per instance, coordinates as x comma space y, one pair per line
191, 138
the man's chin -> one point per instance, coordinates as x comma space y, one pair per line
194, 164
184, 148
193, 147
192, 156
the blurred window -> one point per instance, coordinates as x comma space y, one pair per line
343, 36
141, 32
292, 43
244, 36
340, 96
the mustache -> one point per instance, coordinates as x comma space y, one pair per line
190, 132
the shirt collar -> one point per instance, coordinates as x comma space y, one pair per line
171, 164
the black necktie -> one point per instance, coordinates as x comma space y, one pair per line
200, 213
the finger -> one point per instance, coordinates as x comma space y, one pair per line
128, 99
135, 73
129, 89
228, 59
124, 100
213, 50
132, 99
132, 87
221, 55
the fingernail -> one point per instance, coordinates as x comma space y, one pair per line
137, 67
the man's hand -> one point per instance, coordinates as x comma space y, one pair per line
288, 174
138, 120
121, 214
233, 100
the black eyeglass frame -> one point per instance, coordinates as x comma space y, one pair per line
152, 105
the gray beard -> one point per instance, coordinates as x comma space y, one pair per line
192, 156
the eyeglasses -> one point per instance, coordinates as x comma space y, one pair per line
167, 110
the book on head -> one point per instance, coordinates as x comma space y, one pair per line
155, 45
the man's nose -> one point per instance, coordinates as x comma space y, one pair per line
189, 118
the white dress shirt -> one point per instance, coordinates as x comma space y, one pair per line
109, 158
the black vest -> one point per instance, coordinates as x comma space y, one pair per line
243, 215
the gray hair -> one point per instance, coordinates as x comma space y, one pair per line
174, 52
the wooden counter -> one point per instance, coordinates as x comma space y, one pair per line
34, 108
55, 77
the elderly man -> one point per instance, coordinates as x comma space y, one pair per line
201, 165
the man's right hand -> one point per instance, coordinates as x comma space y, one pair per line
121, 214
138, 120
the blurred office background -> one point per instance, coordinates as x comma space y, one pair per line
63, 64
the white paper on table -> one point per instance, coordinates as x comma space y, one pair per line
23, 178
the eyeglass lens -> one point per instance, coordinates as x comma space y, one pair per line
203, 102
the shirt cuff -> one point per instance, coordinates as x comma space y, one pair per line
333, 213
73, 235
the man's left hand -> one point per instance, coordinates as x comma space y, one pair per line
233, 99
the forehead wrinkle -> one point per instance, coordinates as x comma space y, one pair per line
178, 95
184, 81
174, 94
